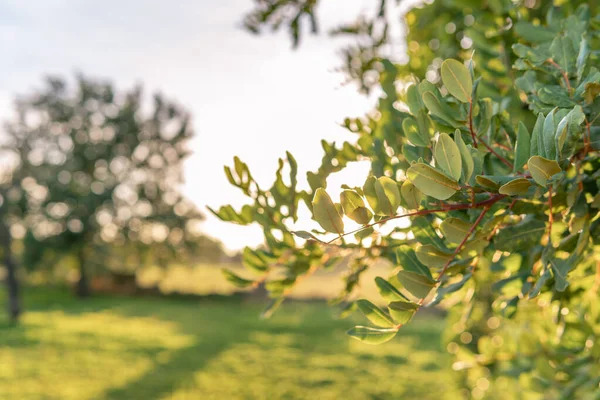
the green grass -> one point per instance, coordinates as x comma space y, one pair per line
151, 348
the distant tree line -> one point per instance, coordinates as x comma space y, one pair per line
93, 175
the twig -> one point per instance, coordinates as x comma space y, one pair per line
564, 74
450, 207
504, 160
460, 246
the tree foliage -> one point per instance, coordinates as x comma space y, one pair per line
487, 141
96, 176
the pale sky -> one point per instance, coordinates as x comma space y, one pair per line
250, 96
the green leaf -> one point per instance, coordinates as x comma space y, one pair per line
536, 148
592, 90
411, 195
431, 182
371, 194
542, 169
515, 187
540, 284
477, 164
254, 260
468, 164
560, 269
447, 156
388, 291
455, 229
564, 54
436, 108
354, 207
492, 182
568, 132
548, 133
305, 235
388, 195
413, 100
407, 259
402, 311
370, 335
534, 33
522, 147
374, 314
416, 284
326, 213
412, 133
522, 236
457, 79
235, 279
432, 256
424, 232
474, 246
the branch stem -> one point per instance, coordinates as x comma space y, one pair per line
449, 207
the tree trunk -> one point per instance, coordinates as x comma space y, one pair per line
83, 285
12, 284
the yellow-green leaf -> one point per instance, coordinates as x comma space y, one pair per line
412, 132
447, 156
371, 194
468, 165
411, 195
432, 256
455, 229
388, 195
457, 79
354, 207
522, 147
374, 314
326, 213
388, 291
517, 186
402, 311
432, 182
435, 108
416, 284
370, 335
542, 169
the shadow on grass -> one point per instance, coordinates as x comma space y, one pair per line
226, 344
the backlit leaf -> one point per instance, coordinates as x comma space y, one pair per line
447, 156
388, 291
521, 236
407, 259
515, 187
374, 314
354, 207
542, 169
402, 311
388, 195
432, 182
411, 195
455, 229
457, 79
326, 213
468, 164
370, 335
432, 256
416, 284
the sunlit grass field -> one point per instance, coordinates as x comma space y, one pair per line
155, 348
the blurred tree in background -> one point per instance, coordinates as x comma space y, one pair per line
486, 136
96, 180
